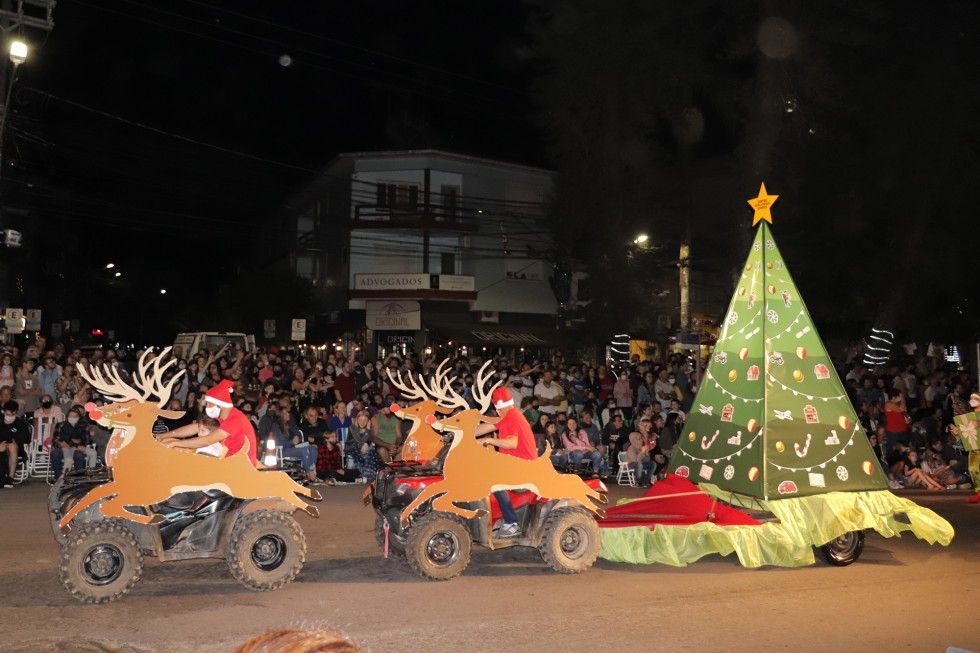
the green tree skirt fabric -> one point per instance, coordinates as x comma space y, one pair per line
804, 522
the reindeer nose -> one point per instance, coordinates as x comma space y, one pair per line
430, 419
395, 408
93, 411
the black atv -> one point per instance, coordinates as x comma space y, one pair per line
101, 559
437, 545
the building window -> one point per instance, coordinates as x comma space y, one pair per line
398, 196
447, 263
450, 202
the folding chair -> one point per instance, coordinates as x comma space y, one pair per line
625, 471
40, 450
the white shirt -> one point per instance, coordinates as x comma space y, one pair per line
548, 392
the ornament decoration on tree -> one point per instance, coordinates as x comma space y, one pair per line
801, 419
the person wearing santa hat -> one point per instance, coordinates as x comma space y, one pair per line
514, 438
234, 430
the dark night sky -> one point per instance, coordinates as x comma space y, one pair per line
890, 89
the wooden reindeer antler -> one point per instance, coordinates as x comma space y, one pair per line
151, 377
112, 387
482, 396
413, 392
440, 388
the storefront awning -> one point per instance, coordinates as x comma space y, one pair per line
509, 336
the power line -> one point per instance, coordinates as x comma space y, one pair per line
163, 132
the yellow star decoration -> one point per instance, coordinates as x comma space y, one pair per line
762, 204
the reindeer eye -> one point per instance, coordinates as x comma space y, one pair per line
129, 414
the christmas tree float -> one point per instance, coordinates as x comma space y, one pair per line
771, 428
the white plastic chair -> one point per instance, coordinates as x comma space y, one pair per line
39, 455
625, 471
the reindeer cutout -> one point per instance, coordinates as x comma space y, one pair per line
145, 472
422, 442
472, 471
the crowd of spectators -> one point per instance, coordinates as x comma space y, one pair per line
334, 413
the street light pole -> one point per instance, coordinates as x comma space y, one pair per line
18, 55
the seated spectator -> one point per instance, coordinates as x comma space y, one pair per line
592, 430
387, 432
330, 461
12, 433
546, 433
49, 411
312, 426
940, 469
578, 447
667, 432
71, 437
529, 406
360, 445
913, 474
615, 435
675, 409
644, 453
290, 438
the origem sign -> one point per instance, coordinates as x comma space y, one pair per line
391, 282
393, 315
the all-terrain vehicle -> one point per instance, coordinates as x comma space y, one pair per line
102, 558
437, 545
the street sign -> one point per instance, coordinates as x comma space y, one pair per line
33, 316
269, 328
75, 326
14, 320
56, 329
299, 329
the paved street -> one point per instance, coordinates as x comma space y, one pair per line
902, 595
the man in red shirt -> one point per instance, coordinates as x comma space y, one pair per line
514, 439
234, 430
343, 385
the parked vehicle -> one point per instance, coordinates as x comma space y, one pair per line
192, 342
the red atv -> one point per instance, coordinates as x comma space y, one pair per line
437, 545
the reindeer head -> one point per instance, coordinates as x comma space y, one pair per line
427, 401
466, 420
131, 407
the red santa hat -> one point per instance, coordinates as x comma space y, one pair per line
220, 395
502, 398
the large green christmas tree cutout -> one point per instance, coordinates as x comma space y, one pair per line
771, 418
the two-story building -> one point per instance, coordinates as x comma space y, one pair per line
427, 251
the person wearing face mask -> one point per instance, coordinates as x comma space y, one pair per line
234, 431
49, 411
13, 431
72, 437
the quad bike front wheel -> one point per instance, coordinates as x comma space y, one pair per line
438, 546
100, 561
571, 540
843, 550
266, 550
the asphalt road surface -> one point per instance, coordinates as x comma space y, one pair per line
903, 595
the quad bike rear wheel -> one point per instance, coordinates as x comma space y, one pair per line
571, 540
843, 550
438, 546
100, 561
266, 550
396, 538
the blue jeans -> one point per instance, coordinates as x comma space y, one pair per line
306, 455
506, 507
559, 459
58, 460
598, 463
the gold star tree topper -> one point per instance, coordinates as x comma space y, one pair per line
762, 205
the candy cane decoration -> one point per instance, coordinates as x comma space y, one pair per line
706, 443
806, 447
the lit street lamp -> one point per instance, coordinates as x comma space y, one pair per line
18, 52
117, 274
641, 239
163, 291
109, 266
18, 55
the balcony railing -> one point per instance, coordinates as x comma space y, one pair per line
450, 218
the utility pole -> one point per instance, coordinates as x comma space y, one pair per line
684, 266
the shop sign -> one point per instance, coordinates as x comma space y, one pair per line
391, 282
393, 315
454, 282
